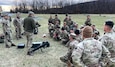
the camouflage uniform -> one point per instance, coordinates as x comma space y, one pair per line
51, 29
57, 33
96, 33
66, 27
79, 38
71, 46
108, 39
56, 19
88, 53
69, 23
64, 36
17, 24
50, 20
88, 21
113, 28
7, 32
56, 25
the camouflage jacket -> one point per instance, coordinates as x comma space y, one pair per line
66, 28
88, 22
88, 53
17, 22
6, 25
108, 39
79, 38
64, 35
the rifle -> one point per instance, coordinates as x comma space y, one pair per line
38, 45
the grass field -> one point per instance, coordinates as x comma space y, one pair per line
13, 57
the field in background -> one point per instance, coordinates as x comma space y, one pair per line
14, 57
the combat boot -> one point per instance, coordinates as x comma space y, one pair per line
64, 59
13, 44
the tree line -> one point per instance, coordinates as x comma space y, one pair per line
45, 7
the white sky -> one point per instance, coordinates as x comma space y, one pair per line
11, 2
7, 4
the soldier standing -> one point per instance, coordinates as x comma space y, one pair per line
72, 44
108, 39
88, 52
17, 24
29, 26
7, 31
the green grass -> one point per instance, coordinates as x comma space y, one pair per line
14, 57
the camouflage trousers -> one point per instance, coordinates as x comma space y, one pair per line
67, 57
18, 32
8, 37
29, 37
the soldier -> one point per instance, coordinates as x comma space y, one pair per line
66, 18
69, 22
51, 29
108, 39
56, 24
29, 26
78, 36
17, 24
64, 36
66, 27
50, 20
88, 52
57, 33
96, 33
56, 19
7, 31
114, 28
88, 21
72, 44
75, 26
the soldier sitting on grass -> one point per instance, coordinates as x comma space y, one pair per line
64, 36
57, 33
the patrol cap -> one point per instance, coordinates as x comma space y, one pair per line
73, 35
87, 32
109, 23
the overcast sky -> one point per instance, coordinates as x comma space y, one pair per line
11, 2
